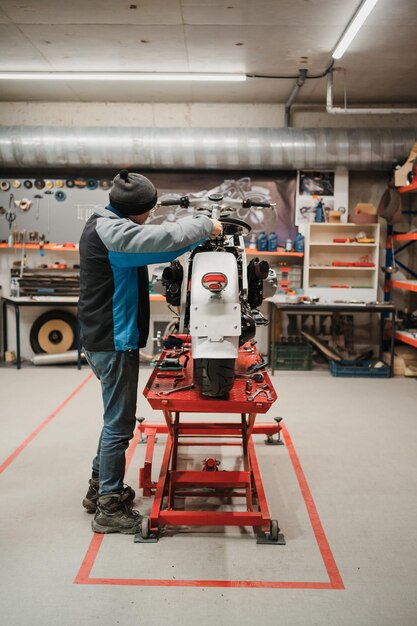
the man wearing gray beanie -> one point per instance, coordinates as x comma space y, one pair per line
113, 310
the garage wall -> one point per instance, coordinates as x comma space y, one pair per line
199, 115
364, 187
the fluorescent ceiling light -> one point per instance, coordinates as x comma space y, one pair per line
353, 28
130, 76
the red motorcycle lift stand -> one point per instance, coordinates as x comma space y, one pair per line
175, 483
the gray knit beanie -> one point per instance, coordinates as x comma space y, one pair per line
132, 194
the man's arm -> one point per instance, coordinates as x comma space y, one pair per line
133, 245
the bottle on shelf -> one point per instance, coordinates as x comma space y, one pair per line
320, 212
262, 242
299, 243
272, 242
288, 245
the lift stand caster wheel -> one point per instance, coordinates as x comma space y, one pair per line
142, 438
145, 535
270, 441
273, 538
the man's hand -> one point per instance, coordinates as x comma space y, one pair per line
217, 228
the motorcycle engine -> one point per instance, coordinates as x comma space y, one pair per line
248, 324
172, 279
167, 281
258, 271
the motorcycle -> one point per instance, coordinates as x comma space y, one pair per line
217, 292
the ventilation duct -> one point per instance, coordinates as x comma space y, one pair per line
38, 147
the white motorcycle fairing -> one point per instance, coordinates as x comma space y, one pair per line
215, 318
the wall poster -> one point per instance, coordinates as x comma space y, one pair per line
319, 193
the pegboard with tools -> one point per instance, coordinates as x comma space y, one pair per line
57, 208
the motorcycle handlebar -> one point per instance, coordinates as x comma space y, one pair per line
265, 205
185, 201
168, 203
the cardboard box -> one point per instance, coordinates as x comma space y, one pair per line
401, 173
365, 213
335, 217
365, 207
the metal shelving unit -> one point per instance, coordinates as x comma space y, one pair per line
405, 240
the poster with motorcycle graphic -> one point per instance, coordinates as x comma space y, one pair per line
318, 194
276, 187
62, 215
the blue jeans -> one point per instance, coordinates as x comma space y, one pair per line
118, 373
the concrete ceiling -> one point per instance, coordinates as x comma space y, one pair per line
245, 36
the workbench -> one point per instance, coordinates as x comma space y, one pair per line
177, 483
383, 309
17, 302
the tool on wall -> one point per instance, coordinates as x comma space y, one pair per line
38, 198
23, 255
10, 217
23, 204
49, 193
92, 183
28, 184
60, 196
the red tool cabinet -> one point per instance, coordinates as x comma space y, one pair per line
176, 483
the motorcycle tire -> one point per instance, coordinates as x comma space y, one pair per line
214, 377
53, 332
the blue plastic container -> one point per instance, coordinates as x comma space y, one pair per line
299, 243
262, 242
354, 369
320, 212
272, 242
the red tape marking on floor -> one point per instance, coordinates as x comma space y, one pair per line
37, 430
316, 524
335, 582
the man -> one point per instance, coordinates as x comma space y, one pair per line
115, 248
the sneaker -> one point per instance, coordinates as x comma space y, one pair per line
114, 515
91, 498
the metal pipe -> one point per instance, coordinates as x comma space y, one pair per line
38, 148
298, 84
360, 111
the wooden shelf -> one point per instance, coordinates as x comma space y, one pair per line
156, 297
338, 268
328, 281
344, 245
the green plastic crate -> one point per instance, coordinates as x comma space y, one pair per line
293, 356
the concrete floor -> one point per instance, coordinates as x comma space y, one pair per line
356, 441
